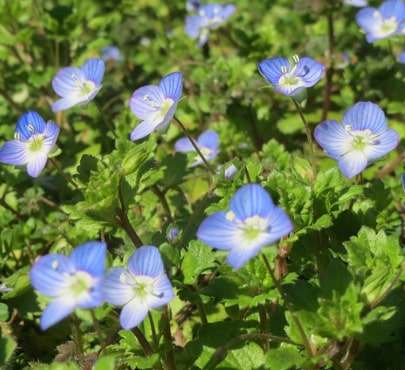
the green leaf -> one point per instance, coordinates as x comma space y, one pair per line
7, 347
105, 363
197, 259
284, 358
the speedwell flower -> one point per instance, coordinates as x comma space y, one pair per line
252, 222
357, 3
290, 80
207, 142
78, 85
208, 17
142, 287
33, 140
156, 105
359, 140
72, 282
387, 20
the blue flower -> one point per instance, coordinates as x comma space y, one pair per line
142, 287
207, 142
33, 140
290, 80
357, 3
401, 57
78, 85
192, 5
252, 222
112, 52
359, 140
72, 282
156, 105
386, 21
208, 17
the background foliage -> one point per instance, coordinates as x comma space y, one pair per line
341, 271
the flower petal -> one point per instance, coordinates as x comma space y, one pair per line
93, 69
393, 8
133, 313
271, 69
30, 123
280, 224
309, 70
162, 292
49, 274
184, 145
208, 139
218, 232
171, 85
365, 116
66, 81
56, 311
332, 137
14, 152
250, 200
239, 255
67, 102
387, 141
352, 163
146, 261
146, 101
90, 257
36, 163
143, 129
116, 290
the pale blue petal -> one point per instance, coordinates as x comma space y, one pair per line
309, 70
403, 182
14, 152
365, 116
333, 138
191, 28
183, 145
393, 8
141, 102
36, 163
50, 135
271, 69
56, 311
90, 257
30, 119
352, 163
250, 200
171, 85
146, 261
279, 223
93, 296
208, 139
162, 292
66, 81
117, 287
93, 70
227, 11
143, 129
67, 102
386, 142
366, 19
218, 232
238, 256
49, 274
133, 313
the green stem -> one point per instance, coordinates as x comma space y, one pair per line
153, 330
123, 220
96, 325
161, 195
167, 335
143, 342
309, 137
63, 174
195, 146
263, 326
76, 335
300, 328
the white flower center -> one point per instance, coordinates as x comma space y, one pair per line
360, 139
80, 282
251, 228
159, 109
384, 26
